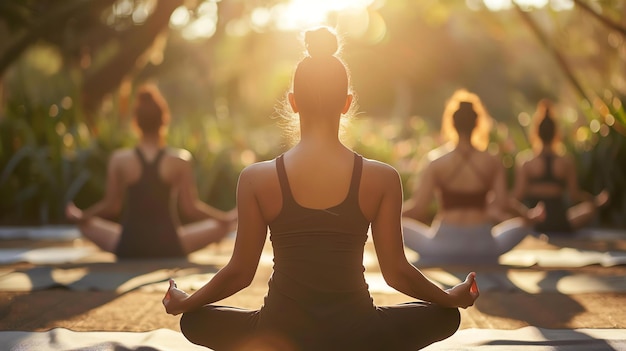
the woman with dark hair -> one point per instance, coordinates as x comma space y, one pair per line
470, 186
318, 200
549, 177
148, 181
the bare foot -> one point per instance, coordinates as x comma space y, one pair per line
601, 199
537, 214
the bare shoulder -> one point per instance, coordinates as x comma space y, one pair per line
259, 170
122, 155
379, 170
179, 154
495, 160
523, 158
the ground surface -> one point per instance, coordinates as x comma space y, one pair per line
140, 310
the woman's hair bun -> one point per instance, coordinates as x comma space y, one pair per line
466, 108
321, 42
145, 96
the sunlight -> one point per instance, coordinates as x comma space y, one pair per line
300, 14
202, 26
557, 5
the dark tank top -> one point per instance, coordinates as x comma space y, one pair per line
148, 226
556, 207
318, 253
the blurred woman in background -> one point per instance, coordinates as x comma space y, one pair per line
550, 177
148, 182
470, 186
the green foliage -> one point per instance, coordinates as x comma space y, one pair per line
222, 90
38, 176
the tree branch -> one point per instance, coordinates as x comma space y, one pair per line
133, 45
605, 20
52, 20
563, 64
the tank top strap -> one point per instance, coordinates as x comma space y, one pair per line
152, 166
158, 157
142, 158
283, 180
466, 162
357, 170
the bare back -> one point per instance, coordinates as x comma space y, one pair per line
127, 168
319, 185
473, 172
547, 177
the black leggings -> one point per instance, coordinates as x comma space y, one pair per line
409, 326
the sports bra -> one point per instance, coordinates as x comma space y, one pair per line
548, 176
456, 199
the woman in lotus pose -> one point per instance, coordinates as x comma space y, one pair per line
470, 186
550, 177
152, 178
319, 199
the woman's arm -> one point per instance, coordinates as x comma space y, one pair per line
520, 186
111, 203
397, 271
240, 270
417, 206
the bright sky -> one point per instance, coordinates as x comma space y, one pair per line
353, 15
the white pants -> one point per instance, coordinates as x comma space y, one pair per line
450, 243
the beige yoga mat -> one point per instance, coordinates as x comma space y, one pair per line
60, 339
564, 258
101, 279
533, 339
523, 339
532, 282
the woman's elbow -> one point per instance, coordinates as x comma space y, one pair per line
240, 277
395, 279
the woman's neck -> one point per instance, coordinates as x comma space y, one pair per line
464, 143
322, 130
151, 141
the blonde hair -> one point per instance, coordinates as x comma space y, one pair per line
458, 117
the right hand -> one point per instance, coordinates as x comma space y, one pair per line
73, 213
465, 294
174, 299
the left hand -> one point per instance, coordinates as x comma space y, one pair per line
174, 299
465, 294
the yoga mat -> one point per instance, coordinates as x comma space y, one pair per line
563, 258
533, 339
84, 279
39, 233
47, 255
601, 234
532, 282
60, 339
522, 339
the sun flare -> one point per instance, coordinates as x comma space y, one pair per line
299, 14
